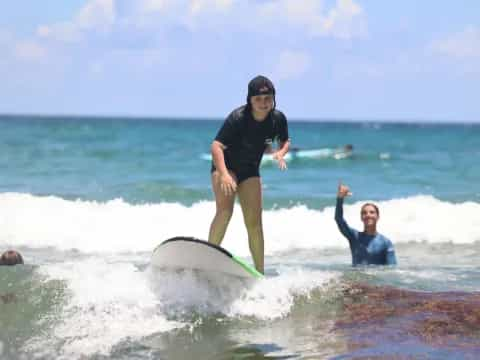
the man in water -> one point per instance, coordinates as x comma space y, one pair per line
367, 247
10, 258
343, 152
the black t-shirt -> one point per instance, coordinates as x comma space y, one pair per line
246, 139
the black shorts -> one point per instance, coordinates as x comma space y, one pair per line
242, 174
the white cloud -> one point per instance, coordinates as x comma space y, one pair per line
153, 26
462, 45
132, 15
154, 14
291, 65
98, 15
152, 6
186, 7
345, 20
293, 12
29, 50
197, 6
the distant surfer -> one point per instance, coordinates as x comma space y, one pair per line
348, 148
237, 152
343, 152
10, 258
367, 247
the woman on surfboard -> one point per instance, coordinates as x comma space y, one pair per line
237, 150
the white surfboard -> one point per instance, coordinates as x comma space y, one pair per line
191, 253
312, 154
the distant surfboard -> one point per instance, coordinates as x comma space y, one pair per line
191, 253
312, 154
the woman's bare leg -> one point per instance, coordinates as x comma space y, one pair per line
224, 210
250, 196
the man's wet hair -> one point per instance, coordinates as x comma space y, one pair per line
10, 258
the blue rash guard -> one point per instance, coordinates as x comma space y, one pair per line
366, 249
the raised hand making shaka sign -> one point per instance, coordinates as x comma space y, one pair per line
343, 190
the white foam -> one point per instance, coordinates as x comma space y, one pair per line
108, 302
116, 226
267, 299
412, 276
211, 293
273, 298
113, 301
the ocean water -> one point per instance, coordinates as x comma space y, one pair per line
86, 200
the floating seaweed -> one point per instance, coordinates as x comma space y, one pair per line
450, 319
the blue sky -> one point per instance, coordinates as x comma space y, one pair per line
337, 59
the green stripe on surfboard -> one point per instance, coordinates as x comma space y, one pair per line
252, 271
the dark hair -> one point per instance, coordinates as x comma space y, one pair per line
260, 85
11, 257
371, 204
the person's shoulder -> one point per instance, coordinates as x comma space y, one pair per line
277, 114
388, 243
237, 114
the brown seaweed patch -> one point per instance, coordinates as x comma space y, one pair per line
443, 318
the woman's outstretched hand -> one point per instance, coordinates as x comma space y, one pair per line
282, 164
343, 190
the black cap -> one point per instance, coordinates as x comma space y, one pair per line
260, 85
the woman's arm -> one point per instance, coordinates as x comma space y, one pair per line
280, 153
349, 233
227, 183
283, 148
341, 223
281, 134
390, 258
218, 157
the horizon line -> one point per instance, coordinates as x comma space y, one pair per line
212, 118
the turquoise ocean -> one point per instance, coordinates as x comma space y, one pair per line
86, 200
